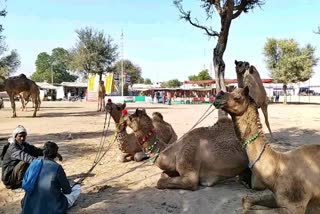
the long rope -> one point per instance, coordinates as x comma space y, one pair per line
99, 154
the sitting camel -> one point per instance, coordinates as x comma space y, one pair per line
203, 156
128, 143
16, 84
292, 176
249, 76
101, 96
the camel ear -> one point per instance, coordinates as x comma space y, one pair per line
236, 62
251, 69
124, 105
246, 91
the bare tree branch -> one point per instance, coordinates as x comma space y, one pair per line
318, 31
186, 15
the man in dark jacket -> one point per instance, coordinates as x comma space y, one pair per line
17, 158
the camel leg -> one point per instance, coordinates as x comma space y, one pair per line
264, 109
124, 157
13, 105
34, 97
188, 181
99, 104
140, 156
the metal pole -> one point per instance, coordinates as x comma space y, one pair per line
52, 73
122, 79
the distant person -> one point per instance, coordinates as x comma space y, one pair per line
47, 187
163, 97
169, 97
277, 98
69, 95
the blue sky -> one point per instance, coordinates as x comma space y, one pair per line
164, 46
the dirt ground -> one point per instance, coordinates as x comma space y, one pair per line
121, 188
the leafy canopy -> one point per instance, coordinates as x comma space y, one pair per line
288, 62
57, 64
134, 71
9, 62
93, 53
202, 75
174, 83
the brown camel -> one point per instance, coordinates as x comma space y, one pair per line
25, 98
249, 76
16, 84
101, 96
292, 176
203, 156
128, 143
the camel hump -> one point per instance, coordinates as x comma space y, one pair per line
157, 116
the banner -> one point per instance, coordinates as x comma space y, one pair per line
91, 81
109, 83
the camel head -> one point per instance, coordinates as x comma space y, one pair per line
157, 116
235, 102
122, 125
115, 109
139, 120
2, 83
241, 66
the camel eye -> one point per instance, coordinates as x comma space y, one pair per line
237, 97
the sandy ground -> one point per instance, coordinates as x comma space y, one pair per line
115, 187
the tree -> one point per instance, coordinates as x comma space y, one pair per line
203, 75
53, 68
147, 81
134, 71
8, 62
288, 62
228, 10
93, 52
174, 83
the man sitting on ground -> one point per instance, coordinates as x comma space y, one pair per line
46, 185
17, 157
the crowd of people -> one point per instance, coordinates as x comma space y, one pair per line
35, 171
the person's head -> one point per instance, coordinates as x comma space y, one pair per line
50, 150
19, 134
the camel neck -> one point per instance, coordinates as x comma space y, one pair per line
147, 138
259, 152
240, 80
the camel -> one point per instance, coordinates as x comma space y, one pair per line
128, 143
203, 156
292, 176
101, 96
16, 84
25, 98
249, 76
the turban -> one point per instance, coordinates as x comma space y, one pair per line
20, 129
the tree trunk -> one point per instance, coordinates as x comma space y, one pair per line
218, 63
100, 76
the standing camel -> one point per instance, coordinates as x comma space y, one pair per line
25, 98
292, 176
249, 76
101, 96
17, 84
205, 155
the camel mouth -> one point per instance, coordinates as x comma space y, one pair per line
219, 103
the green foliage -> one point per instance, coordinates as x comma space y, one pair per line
9, 62
288, 62
174, 83
57, 64
93, 52
202, 75
134, 71
147, 81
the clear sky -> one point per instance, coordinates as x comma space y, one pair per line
164, 46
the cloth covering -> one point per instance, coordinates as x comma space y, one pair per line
31, 176
73, 196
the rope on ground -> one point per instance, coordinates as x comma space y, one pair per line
202, 118
99, 154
